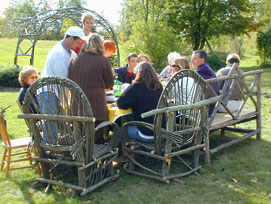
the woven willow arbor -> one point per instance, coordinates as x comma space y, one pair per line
44, 21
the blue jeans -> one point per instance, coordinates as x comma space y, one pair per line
133, 134
49, 105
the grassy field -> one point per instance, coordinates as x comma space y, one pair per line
240, 174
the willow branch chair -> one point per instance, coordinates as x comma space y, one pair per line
16, 150
175, 151
62, 121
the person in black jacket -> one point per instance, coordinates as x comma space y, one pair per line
126, 73
27, 76
142, 96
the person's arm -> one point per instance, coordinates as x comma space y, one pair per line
108, 75
129, 98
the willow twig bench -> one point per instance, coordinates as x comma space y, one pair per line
249, 110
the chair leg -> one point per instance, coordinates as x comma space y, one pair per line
36, 154
8, 163
4, 158
29, 156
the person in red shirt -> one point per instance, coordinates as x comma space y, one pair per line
87, 21
126, 73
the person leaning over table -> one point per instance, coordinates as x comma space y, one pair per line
87, 22
57, 63
142, 96
92, 71
198, 60
235, 99
126, 73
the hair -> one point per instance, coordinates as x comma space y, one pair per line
146, 74
94, 45
86, 16
24, 73
182, 62
232, 58
202, 54
131, 55
172, 56
74, 37
145, 56
109, 45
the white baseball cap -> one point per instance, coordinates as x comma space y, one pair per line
76, 31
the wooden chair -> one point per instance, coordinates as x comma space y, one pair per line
14, 149
175, 152
66, 149
31, 143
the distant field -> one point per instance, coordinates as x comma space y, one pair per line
8, 48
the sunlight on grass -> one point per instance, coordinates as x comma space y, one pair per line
240, 174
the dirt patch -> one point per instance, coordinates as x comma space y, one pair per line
9, 89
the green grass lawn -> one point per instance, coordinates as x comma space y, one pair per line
239, 174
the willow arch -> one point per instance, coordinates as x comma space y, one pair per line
40, 24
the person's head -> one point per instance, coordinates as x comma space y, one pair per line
132, 60
199, 57
146, 74
233, 58
87, 21
109, 47
180, 63
144, 58
73, 37
28, 75
172, 56
94, 45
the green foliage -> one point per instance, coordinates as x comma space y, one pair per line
216, 60
143, 30
199, 21
264, 46
9, 77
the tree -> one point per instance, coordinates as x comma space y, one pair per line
264, 46
16, 14
143, 29
200, 20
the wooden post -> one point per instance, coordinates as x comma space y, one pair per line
259, 103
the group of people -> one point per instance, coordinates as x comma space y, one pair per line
82, 56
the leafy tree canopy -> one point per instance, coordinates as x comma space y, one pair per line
200, 20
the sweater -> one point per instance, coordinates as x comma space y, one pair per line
93, 73
206, 72
123, 75
138, 97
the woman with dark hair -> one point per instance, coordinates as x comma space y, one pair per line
142, 96
92, 71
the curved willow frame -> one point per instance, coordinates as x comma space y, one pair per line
41, 23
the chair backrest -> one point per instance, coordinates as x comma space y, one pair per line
3, 131
185, 88
59, 97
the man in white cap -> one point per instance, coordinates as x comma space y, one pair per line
57, 64
60, 56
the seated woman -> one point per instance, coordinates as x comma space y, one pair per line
178, 64
144, 58
142, 96
27, 76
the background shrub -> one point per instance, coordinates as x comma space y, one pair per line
9, 77
264, 46
216, 60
